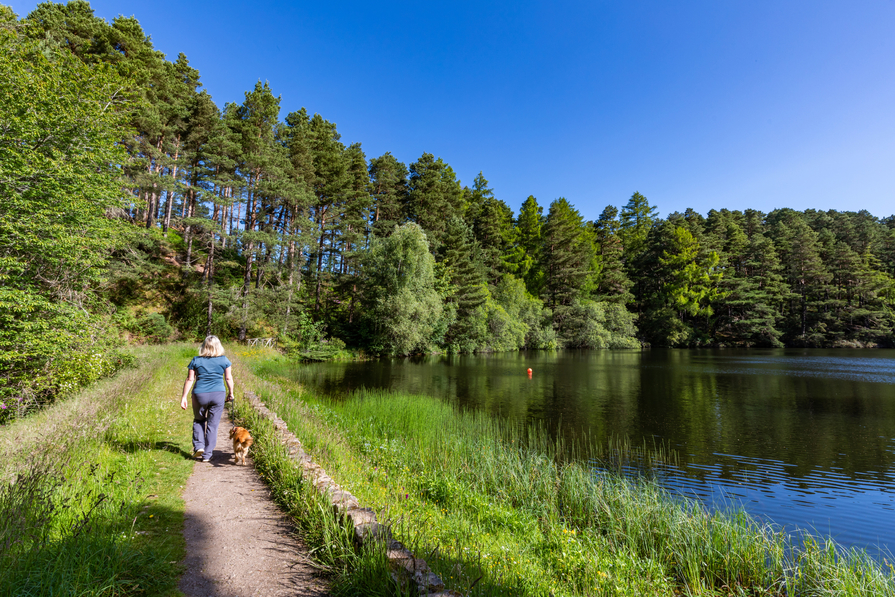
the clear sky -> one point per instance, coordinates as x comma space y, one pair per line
705, 104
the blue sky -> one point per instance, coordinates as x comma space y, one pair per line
705, 104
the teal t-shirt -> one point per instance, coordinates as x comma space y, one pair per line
209, 374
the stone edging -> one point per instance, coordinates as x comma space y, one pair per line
347, 508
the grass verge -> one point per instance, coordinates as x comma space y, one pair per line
502, 511
90, 488
354, 572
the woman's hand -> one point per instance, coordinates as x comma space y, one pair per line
183, 403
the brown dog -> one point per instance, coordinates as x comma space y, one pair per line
241, 442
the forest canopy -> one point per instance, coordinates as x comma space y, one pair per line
133, 206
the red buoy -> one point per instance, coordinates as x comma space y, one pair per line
529, 373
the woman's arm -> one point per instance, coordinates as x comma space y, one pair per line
228, 378
190, 378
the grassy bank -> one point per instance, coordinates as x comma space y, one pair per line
498, 511
352, 572
90, 499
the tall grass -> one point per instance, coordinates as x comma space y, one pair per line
90, 487
507, 510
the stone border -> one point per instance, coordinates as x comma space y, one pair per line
347, 508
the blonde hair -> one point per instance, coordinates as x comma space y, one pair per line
211, 347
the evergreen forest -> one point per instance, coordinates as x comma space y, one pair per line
134, 208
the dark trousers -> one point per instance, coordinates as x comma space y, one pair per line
207, 410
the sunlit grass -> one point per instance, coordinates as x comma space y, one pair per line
90, 488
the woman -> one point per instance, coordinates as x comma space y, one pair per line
209, 370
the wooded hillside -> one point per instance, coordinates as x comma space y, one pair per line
132, 205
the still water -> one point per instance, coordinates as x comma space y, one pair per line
803, 438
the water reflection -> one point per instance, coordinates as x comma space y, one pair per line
803, 437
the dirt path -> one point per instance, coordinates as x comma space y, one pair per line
238, 543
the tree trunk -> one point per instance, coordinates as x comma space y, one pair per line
152, 211
170, 200
292, 266
250, 256
152, 207
320, 260
209, 275
189, 229
246, 286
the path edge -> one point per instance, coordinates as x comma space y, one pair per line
348, 511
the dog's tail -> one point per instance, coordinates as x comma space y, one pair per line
249, 442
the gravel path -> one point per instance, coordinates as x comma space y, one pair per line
238, 542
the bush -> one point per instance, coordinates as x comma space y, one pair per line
324, 350
590, 324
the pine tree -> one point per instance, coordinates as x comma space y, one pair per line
637, 217
330, 182
262, 162
806, 275
753, 291
613, 284
389, 180
492, 222
692, 282
529, 238
464, 268
568, 256
434, 197
300, 237
353, 230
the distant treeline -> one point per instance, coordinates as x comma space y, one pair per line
131, 201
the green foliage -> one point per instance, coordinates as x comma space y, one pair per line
62, 121
568, 255
753, 291
389, 180
613, 283
467, 292
58, 350
490, 329
529, 239
402, 306
433, 197
492, 223
692, 282
322, 350
152, 326
519, 305
637, 217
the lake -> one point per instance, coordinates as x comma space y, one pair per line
804, 438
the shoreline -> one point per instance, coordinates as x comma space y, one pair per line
447, 502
